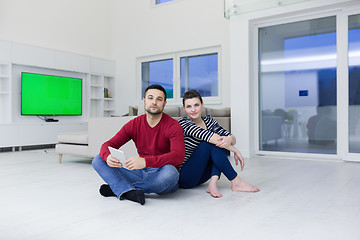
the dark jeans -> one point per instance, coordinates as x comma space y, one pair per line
206, 161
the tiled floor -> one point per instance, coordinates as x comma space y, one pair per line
44, 200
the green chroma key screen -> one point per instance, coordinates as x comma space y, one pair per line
50, 95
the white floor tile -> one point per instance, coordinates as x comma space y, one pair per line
42, 199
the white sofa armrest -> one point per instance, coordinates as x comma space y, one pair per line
101, 130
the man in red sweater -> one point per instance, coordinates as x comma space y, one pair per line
159, 140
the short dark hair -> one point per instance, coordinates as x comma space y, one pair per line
191, 94
156, 86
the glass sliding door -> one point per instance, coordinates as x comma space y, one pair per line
354, 83
297, 87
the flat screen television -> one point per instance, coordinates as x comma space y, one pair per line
48, 95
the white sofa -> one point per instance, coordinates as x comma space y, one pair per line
88, 143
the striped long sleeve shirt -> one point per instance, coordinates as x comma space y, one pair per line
194, 135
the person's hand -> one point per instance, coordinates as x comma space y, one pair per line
239, 158
224, 142
113, 162
135, 162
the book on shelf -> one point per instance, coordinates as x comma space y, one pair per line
106, 93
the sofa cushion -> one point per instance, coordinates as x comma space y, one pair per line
224, 122
141, 109
73, 149
222, 112
182, 112
172, 111
73, 137
133, 111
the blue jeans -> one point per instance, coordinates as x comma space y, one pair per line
206, 161
151, 180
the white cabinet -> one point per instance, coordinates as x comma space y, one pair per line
5, 93
30, 134
101, 95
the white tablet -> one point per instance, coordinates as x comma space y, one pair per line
119, 155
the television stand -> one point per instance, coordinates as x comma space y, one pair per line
51, 120
47, 119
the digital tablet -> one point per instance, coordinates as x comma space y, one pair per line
119, 155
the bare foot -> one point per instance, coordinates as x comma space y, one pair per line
212, 188
239, 185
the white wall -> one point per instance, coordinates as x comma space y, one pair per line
141, 29
76, 26
121, 30
71, 35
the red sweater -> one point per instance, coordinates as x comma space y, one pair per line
160, 145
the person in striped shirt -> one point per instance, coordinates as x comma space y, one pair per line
207, 146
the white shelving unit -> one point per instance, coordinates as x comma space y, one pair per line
101, 105
19, 130
109, 103
5, 92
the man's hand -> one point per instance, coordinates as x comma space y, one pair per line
135, 162
113, 162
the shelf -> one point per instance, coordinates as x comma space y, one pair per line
5, 93
96, 85
5, 69
101, 106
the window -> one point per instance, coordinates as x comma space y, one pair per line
158, 72
183, 71
200, 73
162, 1
354, 83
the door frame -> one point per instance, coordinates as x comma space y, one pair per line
341, 14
